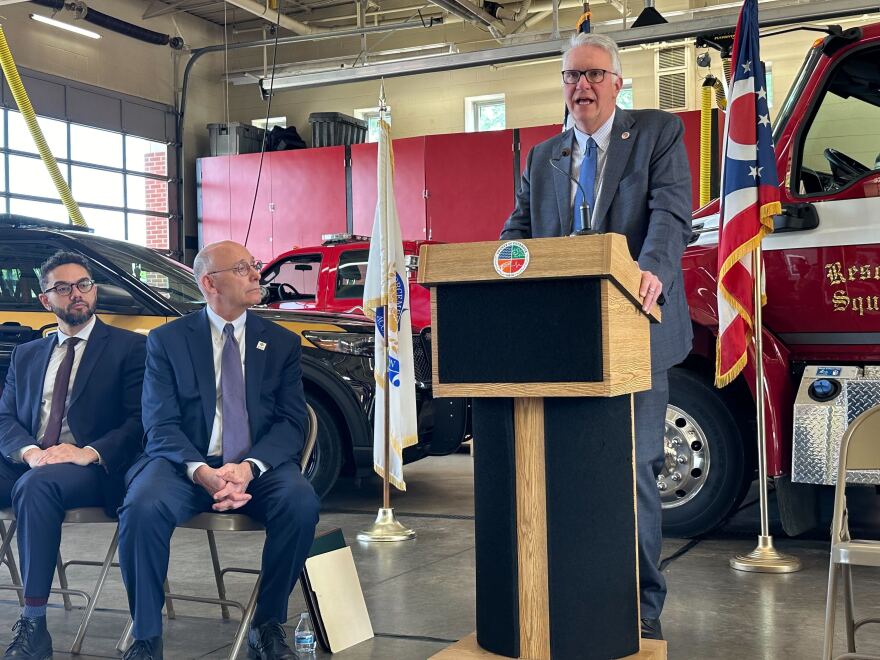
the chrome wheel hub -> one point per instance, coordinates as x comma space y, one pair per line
686, 459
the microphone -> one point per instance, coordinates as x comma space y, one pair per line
584, 210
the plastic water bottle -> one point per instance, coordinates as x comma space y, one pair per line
304, 637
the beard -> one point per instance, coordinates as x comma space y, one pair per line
75, 316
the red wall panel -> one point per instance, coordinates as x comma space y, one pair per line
409, 186
532, 135
308, 189
228, 185
469, 178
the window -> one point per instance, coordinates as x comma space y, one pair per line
351, 274
625, 97
484, 113
269, 125
166, 277
20, 280
768, 74
120, 181
296, 278
371, 116
841, 144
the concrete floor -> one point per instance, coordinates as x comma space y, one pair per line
420, 593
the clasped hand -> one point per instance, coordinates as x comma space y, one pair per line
226, 484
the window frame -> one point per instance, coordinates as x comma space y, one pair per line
472, 105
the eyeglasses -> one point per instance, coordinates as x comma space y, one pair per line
66, 288
593, 76
242, 268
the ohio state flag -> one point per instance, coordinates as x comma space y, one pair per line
749, 197
387, 287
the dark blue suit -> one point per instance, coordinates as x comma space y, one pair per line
178, 410
104, 412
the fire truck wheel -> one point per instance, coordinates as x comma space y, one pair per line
702, 479
326, 460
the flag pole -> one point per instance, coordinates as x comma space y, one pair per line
386, 528
764, 558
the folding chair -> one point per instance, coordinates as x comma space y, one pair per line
230, 522
81, 515
859, 450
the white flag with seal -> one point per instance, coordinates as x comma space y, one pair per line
387, 285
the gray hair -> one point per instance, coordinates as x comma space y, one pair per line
598, 41
201, 265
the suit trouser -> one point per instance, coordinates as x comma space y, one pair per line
161, 496
650, 426
40, 497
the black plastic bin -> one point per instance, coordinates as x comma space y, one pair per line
333, 129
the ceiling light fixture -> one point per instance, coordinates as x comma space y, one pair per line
65, 26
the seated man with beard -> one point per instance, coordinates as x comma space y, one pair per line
70, 426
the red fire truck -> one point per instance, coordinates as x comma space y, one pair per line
330, 277
822, 319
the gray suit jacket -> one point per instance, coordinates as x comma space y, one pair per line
645, 195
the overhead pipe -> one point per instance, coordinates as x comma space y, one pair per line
470, 13
514, 12
84, 13
265, 11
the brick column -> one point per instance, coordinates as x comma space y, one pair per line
157, 200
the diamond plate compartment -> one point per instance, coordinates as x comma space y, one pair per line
819, 429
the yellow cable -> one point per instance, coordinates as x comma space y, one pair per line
706, 140
30, 118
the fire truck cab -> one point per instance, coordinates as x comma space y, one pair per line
822, 318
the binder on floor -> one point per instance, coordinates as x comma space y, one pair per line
333, 594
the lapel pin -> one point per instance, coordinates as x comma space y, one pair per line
625, 135
261, 346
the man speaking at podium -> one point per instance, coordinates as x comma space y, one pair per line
622, 171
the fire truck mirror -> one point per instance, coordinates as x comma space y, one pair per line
796, 217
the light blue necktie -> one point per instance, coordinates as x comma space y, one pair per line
587, 179
236, 437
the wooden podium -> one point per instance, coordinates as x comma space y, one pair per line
548, 338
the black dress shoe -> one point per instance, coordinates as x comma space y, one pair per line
145, 649
31, 640
651, 629
267, 643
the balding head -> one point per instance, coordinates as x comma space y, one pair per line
229, 278
212, 254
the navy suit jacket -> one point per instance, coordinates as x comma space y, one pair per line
180, 394
105, 403
645, 195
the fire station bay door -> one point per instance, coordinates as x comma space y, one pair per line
823, 282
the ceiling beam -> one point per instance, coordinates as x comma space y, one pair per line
722, 22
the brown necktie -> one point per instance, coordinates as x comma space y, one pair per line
59, 396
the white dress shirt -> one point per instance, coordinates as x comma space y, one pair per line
215, 444
602, 138
55, 360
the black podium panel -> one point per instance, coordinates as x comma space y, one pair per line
491, 332
591, 528
495, 533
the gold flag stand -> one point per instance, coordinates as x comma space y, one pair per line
386, 528
764, 558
